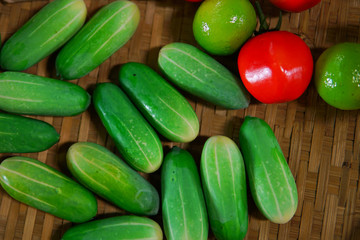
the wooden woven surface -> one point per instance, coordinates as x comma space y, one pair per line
321, 143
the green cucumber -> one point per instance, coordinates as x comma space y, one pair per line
224, 182
199, 74
105, 174
162, 105
116, 228
271, 182
42, 187
136, 140
105, 33
43, 34
183, 205
25, 93
20, 134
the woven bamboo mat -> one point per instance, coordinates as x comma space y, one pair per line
321, 143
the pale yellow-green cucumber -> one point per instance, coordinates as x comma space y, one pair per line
43, 34
105, 33
108, 176
183, 204
163, 106
116, 228
41, 186
271, 182
224, 183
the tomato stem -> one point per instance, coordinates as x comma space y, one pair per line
264, 26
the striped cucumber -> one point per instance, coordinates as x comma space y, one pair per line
183, 205
105, 33
271, 182
25, 93
116, 228
224, 182
40, 186
20, 134
162, 105
137, 142
44, 33
105, 174
199, 74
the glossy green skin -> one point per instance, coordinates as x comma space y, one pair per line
224, 182
25, 93
116, 228
44, 33
162, 105
42, 187
108, 176
201, 75
183, 204
137, 142
271, 182
337, 76
222, 26
20, 134
105, 33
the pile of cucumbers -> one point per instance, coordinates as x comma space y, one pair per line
134, 113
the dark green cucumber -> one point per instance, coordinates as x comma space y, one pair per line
40, 186
105, 174
20, 134
199, 74
137, 142
271, 182
44, 33
183, 205
116, 228
25, 93
224, 182
162, 105
106, 32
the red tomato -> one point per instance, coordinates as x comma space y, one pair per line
276, 66
294, 5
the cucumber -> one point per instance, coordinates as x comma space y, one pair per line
162, 105
20, 134
105, 33
42, 187
43, 34
25, 93
224, 182
199, 74
116, 228
136, 140
183, 205
105, 174
271, 182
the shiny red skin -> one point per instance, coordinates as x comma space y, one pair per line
275, 66
294, 5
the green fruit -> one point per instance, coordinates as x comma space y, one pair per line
337, 76
43, 34
25, 135
183, 205
224, 182
196, 72
137, 142
162, 105
40, 186
116, 228
222, 26
25, 93
105, 174
271, 182
105, 33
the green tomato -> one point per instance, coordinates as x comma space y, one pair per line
222, 26
337, 76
